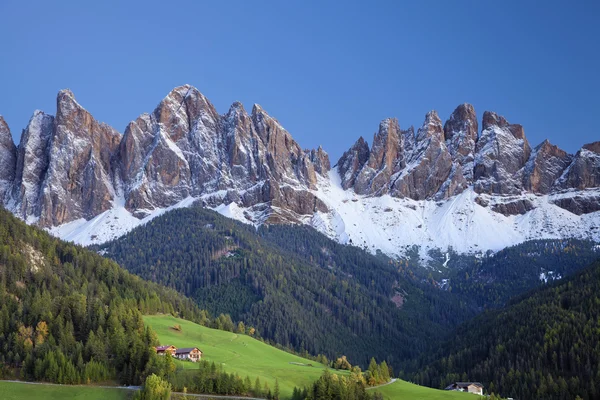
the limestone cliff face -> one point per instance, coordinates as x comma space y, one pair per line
352, 162
501, 152
8, 158
461, 133
79, 180
545, 166
70, 166
429, 164
385, 158
441, 161
584, 170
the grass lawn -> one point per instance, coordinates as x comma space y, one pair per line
239, 354
23, 391
405, 390
246, 356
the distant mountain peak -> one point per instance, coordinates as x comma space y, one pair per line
71, 169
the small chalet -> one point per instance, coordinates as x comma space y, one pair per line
162, 350
470, 387
192, 354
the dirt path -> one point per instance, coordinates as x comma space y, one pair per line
383, 384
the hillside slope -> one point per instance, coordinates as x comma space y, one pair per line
247, 356
69, 316
542, 346
297, 287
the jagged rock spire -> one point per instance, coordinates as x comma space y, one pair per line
8, 158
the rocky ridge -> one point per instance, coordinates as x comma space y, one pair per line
70, 170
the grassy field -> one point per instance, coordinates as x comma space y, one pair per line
240, 354
405, 390
23, 391
249, 357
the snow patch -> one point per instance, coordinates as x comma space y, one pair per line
395, 225
109, 225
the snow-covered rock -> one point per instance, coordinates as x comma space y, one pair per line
443, 187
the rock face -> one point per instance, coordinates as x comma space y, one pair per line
33, 157
460, 132
79, 179
584, 171
352, 162
8, 158
429, 164
545, 166
385, 159
72, 168
441, 161
501, 152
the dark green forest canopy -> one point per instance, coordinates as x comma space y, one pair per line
544, 346
68, 315
296, 286
491, 281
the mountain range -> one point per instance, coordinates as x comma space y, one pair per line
446, 186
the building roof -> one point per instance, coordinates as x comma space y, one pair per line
163, 348
186, 350
463, 385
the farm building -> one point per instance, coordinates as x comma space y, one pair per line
162, 350
189, 353
471, 387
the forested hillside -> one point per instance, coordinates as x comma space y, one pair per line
542, 346
491, 281
297, 287
68, 315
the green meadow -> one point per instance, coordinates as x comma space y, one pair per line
22, 391
239, 354
247, 356
404, 390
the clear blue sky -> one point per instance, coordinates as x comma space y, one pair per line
328, 71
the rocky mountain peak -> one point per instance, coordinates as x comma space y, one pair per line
546, 164
66, 104
8, 158
5, 135
491, 120
320, 160
550, 150
73, 168
584, 170
385, 158
432, 127
236, 107
501, 153
593, 147
460, 132
32, 163
428, 165
352, 161
462, 123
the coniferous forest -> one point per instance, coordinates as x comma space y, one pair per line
296, 286
544, 345
69, 316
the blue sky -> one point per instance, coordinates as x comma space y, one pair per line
328, 71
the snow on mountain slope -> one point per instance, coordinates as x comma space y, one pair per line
109, 225
447, 186
394, 225
387, 223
